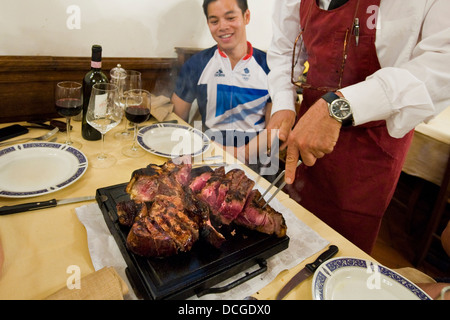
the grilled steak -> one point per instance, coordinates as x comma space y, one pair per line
164, 214
200, 178
166, 179
210, 193
199, 212
148, 240
265, 220
237, 193
128, 211
225, 193
171, 207
165, 231
144, 183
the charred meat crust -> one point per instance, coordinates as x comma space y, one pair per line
171, 207
265, 220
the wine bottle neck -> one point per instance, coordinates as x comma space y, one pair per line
96, 65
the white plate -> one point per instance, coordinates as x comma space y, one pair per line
357, 279
34, 169
173, 140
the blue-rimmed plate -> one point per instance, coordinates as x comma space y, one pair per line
173, 140
34, 169
357, 279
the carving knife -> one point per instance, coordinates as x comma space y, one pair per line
41, 205
307, 271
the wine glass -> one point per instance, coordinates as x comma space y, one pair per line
137, 110
133, 80
104, 113
68, 103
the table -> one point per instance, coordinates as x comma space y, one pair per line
430, 148
429, 159
39, 246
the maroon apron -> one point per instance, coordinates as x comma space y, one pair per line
350, 188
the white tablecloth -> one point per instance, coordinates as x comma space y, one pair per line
430, 149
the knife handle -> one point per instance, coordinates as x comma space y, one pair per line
332, 250
27, 207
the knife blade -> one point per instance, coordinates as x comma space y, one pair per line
307, 271
41, 205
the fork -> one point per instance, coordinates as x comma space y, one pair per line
40, 138
300, 161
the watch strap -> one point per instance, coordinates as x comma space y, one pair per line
348, 122
329, 97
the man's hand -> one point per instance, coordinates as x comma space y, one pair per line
282, 121
314, 136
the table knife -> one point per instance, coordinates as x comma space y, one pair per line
307, 271
41, 205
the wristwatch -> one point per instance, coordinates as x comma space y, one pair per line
339, 108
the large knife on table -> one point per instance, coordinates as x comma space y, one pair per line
307, 271
41, 205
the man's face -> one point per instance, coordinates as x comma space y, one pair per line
227, 24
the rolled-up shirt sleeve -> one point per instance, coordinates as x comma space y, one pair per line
286, 26
410, 90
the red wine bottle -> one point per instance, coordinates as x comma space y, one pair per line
95, 75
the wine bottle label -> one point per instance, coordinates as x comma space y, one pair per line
96, 64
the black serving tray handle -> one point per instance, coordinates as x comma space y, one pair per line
262, 268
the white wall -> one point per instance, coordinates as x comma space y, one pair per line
125, 28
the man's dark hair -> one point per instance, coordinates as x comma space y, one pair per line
241, 3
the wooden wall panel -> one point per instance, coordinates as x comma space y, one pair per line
27, 82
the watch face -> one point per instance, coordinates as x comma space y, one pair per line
340, 109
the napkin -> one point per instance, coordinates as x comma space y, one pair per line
161, 107
104, 284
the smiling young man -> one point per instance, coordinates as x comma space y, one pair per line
226, 22
229, 80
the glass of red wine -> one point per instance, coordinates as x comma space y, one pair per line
68, 104
137, 110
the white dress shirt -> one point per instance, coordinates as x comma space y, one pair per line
413, 48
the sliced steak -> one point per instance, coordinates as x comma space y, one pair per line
265, 220
210, 192
226, 193
200, 181
237, 191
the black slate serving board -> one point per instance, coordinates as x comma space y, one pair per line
195, 272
